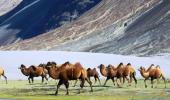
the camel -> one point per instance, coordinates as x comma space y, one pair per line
106, 72
2, 73
33, 71
66, 72
130, 72
153, 73
92, 73
120, 72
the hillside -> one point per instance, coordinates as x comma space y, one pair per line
34, 17
136, 27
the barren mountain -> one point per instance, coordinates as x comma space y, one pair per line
7, 5
138, 27
34, 17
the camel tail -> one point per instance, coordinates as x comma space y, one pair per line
133, 75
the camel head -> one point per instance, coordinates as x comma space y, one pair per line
110, 66
50, 65
22, 66
141, 69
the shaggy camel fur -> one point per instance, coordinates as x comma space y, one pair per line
153, 73
2, 73
66, 72
33, 71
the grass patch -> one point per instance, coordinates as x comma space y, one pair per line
21, 90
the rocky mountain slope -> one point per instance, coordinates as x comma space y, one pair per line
34, 17
137, 27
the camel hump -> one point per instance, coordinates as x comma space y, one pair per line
42, 65
158, 67
94, 68
78, 64
129, 64
151, 67
33, 67
66, 63
120, 65
88, 69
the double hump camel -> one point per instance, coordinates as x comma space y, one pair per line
66, 72
153, 73
34, 71
121, 72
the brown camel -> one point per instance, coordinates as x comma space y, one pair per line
107, 72
92, 73
68, 72
153, 73
2, 73
121, 72
130, 72
33, 71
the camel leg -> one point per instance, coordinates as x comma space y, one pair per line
5, 78
58, 86
81, 85
42, 79
145, 82
66, 85
95, 79
99, 80
164, 80
106, 81
46, 78
127, 80
131, 80
157, 79
152, 82
121, 81
75, 83
133, 75
117, 82
113, 81
90, 83
32, 78
29, 79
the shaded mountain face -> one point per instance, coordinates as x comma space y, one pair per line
34, 17
129, 27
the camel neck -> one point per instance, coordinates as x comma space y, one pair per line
144, 74
53, 73
25, 72
103, 71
